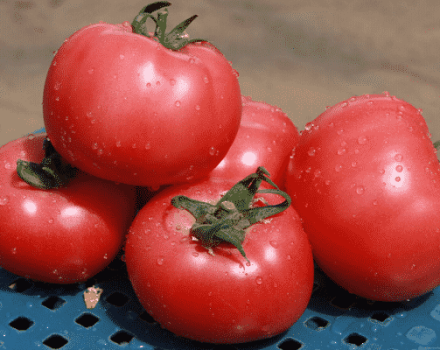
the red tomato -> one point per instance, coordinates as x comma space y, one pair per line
122, 107
218, 298
63, 235
365, 180
266, 138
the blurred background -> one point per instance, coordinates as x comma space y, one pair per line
298, 55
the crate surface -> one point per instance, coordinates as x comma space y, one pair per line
36, 315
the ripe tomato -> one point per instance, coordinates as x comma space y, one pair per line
218, 297
63, 235
266, 137
365, 180
121, 106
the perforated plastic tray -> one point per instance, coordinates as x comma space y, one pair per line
45, 316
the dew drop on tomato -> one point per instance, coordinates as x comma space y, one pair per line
4, 200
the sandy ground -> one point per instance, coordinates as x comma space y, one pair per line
299, 55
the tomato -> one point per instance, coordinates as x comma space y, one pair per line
63, 235
266, 137
218, 297
365, 180
121, 106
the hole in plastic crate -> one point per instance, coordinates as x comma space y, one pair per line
53, 302
344, 301
87, 320
290, 344
355, 339
117, 299
380, 316
224, 347
20, 285
21, 323
121, 337
55, 341
147, 317
316, 323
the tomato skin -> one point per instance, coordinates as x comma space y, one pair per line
365, 180
266, 138
122, 107
218, 298
64, 235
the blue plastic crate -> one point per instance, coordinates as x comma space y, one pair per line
36, 315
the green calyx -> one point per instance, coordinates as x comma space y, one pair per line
175, 39
227, 220
52, 172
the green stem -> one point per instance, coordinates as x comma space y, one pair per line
52, 172
227, 220
175, 39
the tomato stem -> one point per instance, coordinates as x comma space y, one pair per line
227, 220
52, 172
175, 39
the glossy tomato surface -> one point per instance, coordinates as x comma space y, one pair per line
218, 298
266, 138
122, 107
365, 180
63, 235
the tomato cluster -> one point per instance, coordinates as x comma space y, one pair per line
150, 147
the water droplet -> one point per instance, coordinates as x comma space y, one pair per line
340, 131
14, 251
274, 244
338, 168
95, 146
118, 144
105, 256
148, 85
195, 254
147, 146
401, 108
159, 261
312, 151
212, 151
121, 57
361, 140
57, 86
197, 108
4, 200
259, 280
90, 71
375, 202
133, 146
397, 179
157, 83
360, 190
177, 103
398, 157
206, 79
342, 151
57, 99
399, 168
51, 221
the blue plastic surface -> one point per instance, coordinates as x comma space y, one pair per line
45, 316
